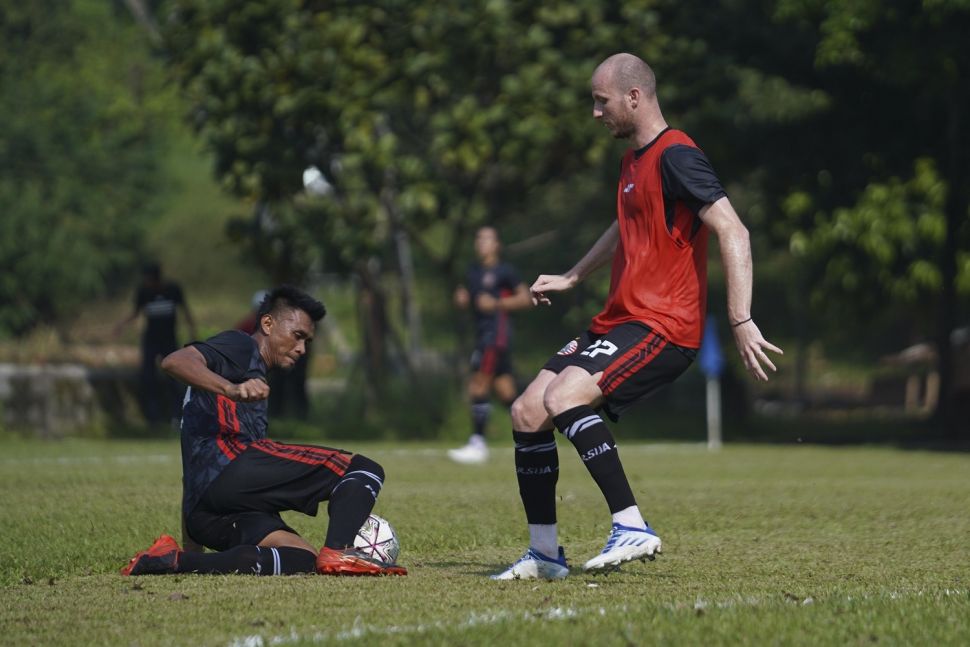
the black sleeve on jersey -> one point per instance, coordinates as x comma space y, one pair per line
177, 296
227, 354
688, 176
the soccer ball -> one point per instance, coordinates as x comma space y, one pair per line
376, 538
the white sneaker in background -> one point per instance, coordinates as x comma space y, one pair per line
474, 453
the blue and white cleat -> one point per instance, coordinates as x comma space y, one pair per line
625, 544
536, 566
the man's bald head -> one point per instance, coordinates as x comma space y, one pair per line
626, 71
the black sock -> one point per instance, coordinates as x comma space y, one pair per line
249, 560
481, 410
352, 500
596, 447
537, 469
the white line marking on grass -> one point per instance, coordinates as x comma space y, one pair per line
638, 447
81, 460
649, 448
360, 629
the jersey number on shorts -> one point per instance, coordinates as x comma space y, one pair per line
601, 347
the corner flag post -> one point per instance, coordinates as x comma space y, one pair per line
712, 364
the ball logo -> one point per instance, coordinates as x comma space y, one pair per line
569, 348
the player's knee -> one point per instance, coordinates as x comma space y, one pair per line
524, 414
367, 468
361, 462
557, 399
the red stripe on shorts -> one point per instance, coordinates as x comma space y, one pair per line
631, 362
333, 459
488, 361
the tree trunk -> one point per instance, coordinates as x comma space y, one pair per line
956, 207
373, 325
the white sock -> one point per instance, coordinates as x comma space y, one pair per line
544, 538
630, 517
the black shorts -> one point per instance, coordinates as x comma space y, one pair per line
635, 362
242, 506
492, 360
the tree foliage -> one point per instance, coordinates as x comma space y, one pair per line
78, 152
420, 114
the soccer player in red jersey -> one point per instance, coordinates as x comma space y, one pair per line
648, 333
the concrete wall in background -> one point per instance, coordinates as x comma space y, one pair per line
60, 400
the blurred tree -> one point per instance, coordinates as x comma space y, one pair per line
77, 153
899, 73
426, 119
848, 122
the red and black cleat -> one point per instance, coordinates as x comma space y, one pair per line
351, 561
160, 558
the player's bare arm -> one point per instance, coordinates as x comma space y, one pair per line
518, 300
188, 365
597, 256
735, 246
461, 297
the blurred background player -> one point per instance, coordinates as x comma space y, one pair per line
237, 481
160, 301
492, 289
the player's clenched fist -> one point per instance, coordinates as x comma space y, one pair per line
249, 391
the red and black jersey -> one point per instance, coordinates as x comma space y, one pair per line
501, 280
659, 274
215, 429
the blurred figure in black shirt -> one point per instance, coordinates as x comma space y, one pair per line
160, 301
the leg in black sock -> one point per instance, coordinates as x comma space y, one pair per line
537, 470
597, 449
352, 500
481, 411
254, 560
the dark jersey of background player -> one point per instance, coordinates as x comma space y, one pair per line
215, 429
501, 280
159, 302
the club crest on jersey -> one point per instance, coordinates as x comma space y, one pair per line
569, 348
488, 280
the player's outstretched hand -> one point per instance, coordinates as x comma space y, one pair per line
550, 283
249, 391
752, 346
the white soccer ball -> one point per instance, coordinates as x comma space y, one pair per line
315, 183
376, 538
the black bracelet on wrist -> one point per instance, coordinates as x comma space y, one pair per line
735, 325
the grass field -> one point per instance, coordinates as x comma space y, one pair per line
762, 545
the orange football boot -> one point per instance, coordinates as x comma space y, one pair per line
160, 558
350, 561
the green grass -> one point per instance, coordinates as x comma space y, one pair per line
762, 545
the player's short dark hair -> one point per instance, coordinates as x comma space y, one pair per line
288, 297
151, 270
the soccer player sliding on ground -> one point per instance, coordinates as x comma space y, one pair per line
647, 334
237, 481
